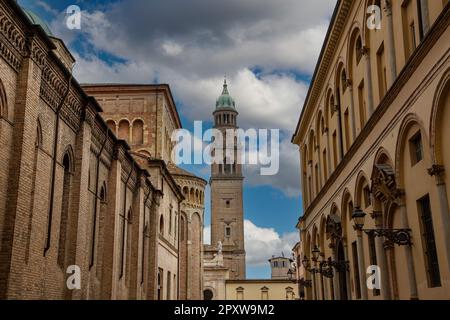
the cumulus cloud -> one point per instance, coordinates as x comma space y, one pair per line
262, 243
264, 47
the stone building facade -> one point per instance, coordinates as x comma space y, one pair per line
373, 137
77, 194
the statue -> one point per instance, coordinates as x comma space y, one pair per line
219, 248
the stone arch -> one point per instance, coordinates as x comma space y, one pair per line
383, 165
328, 104
39, 136
361, 179
441, 97
337, 75
351, 46
112, 125
138, 131
408, 122
124, 130
144, 153
68, 152
209, 293
186, 192
347, 207
103, 192
366, 30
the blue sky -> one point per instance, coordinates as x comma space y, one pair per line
267, 49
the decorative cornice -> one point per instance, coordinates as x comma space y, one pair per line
335, 32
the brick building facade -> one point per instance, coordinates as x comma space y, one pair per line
77, 191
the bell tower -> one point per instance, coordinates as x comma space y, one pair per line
227, 212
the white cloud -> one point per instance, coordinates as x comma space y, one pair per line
262, 243
192, 46
172, 48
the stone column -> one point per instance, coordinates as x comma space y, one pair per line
327, 135
390, 43
337, 109
347, 277
311, 187
352, 107
381, 258
408, 249
362, 271
335, 279
368, 80
319, 167
79, 212
438, 172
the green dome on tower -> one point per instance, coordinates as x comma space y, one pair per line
35, 19
225, 101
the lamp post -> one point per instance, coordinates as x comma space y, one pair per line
358, 217
401, 237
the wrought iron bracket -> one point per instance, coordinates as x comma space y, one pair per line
305, 283
401, 237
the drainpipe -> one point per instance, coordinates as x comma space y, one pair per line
54, 162
125, 219
91, 262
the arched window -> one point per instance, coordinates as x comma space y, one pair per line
160, 284
111, 125
3, 102
343, 80
65, 205
182, 226
208, 294
138, 132
124, 130
161, 225
358, 50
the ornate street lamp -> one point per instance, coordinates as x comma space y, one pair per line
306, 263
326, 268
359, 218
401, 237
302, 282
315, 253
